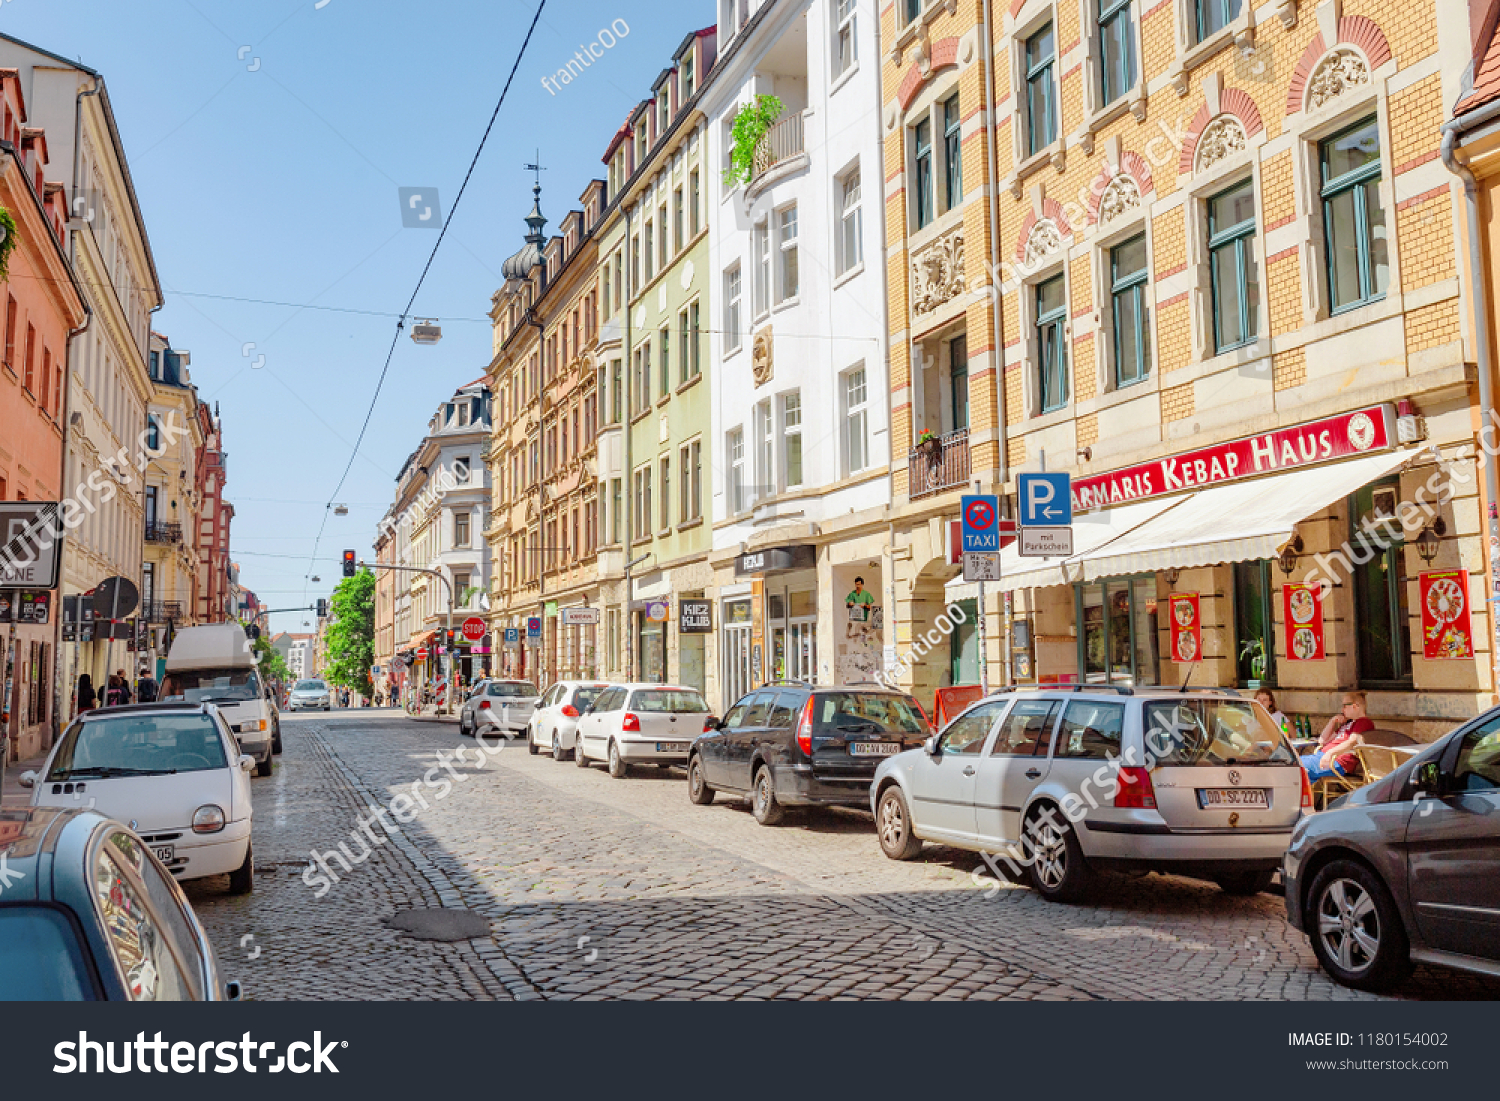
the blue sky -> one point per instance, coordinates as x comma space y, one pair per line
278, 181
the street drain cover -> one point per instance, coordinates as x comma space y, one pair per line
441, 924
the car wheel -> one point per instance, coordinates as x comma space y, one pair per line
578, 758
698, 790
1355, 928
531, 743
617, 766
557, 749
768, 812
894, 825
242, 879
1245, 884
328, 707
263, 768
1058, 870
276, 746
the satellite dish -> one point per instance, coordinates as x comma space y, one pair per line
426, 331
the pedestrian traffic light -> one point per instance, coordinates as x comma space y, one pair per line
322, 609
348, 563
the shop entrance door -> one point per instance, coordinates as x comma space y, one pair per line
1117, 631
737, 670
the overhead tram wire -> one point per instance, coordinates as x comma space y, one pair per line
442, 233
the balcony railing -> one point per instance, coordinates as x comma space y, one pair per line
781, 143
162, 611
941, 465
159, 531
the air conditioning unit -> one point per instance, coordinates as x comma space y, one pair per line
426, 331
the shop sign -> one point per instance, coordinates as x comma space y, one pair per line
1446, 629
26, 606
695, 617
1303, 615
775, 560
1187, 627
580, 617
658, 611
1358, 433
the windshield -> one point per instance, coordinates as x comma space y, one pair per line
585, 695
858, 711
515, 690
309, 686
40, 957
674, 701
210, 686
138, 745
1208, 732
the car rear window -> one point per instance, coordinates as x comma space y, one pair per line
586, 694
675, 701
856, 711
210, 686
1212, 733
1091, 730
41, 959
139, 744
513, 691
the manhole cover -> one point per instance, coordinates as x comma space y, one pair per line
441, 924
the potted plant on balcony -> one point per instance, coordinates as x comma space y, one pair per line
751, 124
929, 444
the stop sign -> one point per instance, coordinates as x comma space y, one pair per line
473, 628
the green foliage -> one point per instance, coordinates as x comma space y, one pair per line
351, 634
272, 665
750, 127
7, 246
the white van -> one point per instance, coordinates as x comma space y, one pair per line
214, 664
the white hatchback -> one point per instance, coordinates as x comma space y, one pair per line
641, 724
554, 726
172, 772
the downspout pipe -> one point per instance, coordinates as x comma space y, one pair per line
998, 351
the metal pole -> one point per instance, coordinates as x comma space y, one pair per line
109, 649
628, 378
984, 654
10, 679
77, 651
448, 651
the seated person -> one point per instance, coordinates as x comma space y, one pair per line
1335, 753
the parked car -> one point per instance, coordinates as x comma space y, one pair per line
503, 705
1404, 869
796, 745
1065, 783
214, 664
554, 726
641, 724
310, 694
90, 915
172, 772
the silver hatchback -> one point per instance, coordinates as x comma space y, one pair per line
1060, 784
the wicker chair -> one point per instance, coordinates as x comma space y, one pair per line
1377, 761
1329, 788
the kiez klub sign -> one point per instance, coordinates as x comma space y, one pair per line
1358, 433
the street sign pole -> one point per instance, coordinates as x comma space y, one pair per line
984, 654
109, 649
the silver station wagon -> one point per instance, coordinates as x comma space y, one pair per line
1061, 784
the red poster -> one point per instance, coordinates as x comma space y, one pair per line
1187, 627
1304, 622
1446, 631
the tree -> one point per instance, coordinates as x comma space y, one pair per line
272, 664
351, 633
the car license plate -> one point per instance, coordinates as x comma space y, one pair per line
671, 747
1232, 797
874, 749
164, 853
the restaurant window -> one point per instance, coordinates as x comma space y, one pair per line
1127, 272
1235, 286
1354, 234
1382, 629
1041, 106
1051, 343
963, 645
1116, 50
1212, 16
1117, 637
1254, 624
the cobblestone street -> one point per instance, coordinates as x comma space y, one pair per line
601, 888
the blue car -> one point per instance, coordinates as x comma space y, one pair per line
87, 913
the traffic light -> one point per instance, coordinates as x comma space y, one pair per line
322, 609
349, 563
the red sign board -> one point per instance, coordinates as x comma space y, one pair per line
422, 654
473, 628
1358, 433
1303, 614
1006, 528
1187, 627
1446, 630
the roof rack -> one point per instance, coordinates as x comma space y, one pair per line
1119, 689
787, 684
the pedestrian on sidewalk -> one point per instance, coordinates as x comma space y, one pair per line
145, 688
87, 699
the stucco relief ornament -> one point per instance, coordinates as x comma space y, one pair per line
1122, 194
762, 364
1043, 240
1335, 75
938, 273
1223, 137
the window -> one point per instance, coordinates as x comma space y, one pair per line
967, 733
1027, 729
1116, 50
29, 366
1117, 635
619, 277
643, 502
461, 470
650, 250
692, 481
616, 531
910, 9
1212, 16
1382, 621
851, 247
845, 49
1234, 285
1041, 106
153, 434
693, 205
617, 392
1353, 221
1127, 272
663, 249
664, 340
791, 439
679, 221
958, 381
922, 173
1254, 628
635, 264
1091, 731
460, 529
663, 113
685, 73
460, 587
786, 244
1478, 764
666, 493
953, 157
606, 284
765, 471
760, 286
642, 399
1051, 344
732, 336
856, 421
734, 488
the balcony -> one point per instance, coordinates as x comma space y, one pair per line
779, 154
162, 611
159, 531
943, 464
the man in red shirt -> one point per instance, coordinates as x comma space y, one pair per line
1335, 756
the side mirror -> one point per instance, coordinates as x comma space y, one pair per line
233, 991
246, 762
1428, 777
27, 779
930, 746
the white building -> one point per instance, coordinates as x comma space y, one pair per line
800, 418
300, 657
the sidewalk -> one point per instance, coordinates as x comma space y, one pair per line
13, 794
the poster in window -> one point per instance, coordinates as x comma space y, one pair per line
1304, 621
1446, 628
1187, 627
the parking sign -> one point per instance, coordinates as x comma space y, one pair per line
1046, 500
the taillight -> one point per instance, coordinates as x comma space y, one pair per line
1135, 791
630, 724
484, 705
804, 728
570, 711
1307, 796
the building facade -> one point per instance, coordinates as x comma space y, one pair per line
216, 574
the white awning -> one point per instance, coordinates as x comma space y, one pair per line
1239, 522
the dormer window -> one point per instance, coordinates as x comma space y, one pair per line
685, 75
663, 111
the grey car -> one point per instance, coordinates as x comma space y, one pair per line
503, 705
309, 695
1406, 869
